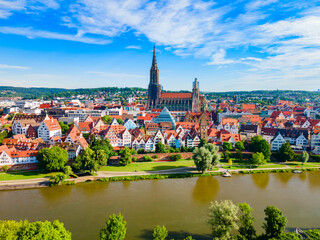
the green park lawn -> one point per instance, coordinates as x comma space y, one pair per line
20, 175
148, 166
268, 165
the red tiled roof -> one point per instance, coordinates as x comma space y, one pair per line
176, 95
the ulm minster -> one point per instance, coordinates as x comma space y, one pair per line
174, 101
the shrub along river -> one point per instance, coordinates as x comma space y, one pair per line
179, 204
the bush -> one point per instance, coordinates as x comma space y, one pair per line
175, 157
315, 158
141, 151
134, 159
147, 158
155, 157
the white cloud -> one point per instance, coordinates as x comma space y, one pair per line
116, 75
34, 33
219, 58
133, 47
5, 66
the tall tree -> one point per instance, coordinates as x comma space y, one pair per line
258, 144
202, 142
258, 158
52, 159
304, 157
160, 233
125, 156
116, 228
202, 159
239, 146
216, 156
286, 153
223, 217
160, 148
227, 146
246, 228
87, 161
275, 222
106, 119
101, 144
33, 230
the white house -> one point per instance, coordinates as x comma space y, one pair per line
49, 128
277, 142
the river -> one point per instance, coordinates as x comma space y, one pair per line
179, 204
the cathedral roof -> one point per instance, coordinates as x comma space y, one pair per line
176, 95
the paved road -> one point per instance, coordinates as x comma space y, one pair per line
31, 183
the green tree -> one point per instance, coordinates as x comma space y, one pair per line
239, 146
102, 144
246, 228
258, 144
290, 236
258, 158
304, 157
223, 217
3, 135
5, 168
239, 155
52, 159
286, 153
116, 228
120, 121
202, 142
216, 156
101, 157
226, 155
64, 127
160, 233
202, 159
160, 148
33, 230
86, 161
275, 222
227, 146
67, 170
106, 119
57, 178
125, 156
313, 234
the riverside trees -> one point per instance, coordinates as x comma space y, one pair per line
52, 159
206, 157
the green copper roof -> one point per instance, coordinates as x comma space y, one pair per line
165, 116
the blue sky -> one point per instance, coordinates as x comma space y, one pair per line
227, 45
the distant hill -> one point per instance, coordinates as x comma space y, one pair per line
47, 93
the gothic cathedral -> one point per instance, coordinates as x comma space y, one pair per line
174, 101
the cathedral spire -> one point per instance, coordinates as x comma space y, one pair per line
154, 60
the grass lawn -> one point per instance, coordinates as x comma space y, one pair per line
268, 165
23, 175
299, 164
148, 166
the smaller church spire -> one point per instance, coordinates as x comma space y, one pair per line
154, 60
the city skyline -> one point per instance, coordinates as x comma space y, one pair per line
248, 45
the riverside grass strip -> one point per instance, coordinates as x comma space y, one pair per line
157, 176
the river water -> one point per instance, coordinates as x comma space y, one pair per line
179, 204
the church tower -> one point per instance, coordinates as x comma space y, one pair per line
154, 89
195, 96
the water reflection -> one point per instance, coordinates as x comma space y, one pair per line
126, 184
205, 189
261, 180
92, 188
283, 177
303, 176
314, 179
55, 194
